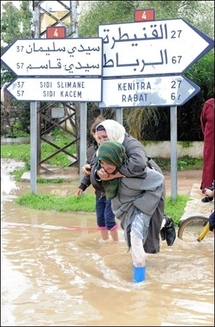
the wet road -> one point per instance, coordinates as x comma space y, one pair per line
57, 272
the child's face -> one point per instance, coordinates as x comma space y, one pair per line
95, 137
107, 167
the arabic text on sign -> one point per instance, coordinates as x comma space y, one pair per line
75, 57
149, 48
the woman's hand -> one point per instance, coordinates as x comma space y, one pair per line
86, 170
102, 174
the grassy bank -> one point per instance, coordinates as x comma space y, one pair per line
86, 203
21, 152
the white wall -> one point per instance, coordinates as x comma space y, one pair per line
162, 149
154, 149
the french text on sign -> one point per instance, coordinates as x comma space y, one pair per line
147, 92
151, 48
54, 57
56, 89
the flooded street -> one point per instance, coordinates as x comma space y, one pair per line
56, 271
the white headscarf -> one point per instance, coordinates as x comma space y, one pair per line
115, 131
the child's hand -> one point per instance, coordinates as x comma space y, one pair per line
79, 192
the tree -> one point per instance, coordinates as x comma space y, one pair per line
102, 12
16, 24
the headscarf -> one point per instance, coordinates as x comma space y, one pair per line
113, 153
115, 131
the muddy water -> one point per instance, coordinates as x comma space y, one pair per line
57, 272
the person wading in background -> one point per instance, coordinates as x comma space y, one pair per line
105, 217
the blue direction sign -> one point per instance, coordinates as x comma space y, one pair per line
56, 89
54, 57
151, 48
147, 92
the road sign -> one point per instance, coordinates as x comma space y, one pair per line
142, 15
56, 89
55, 32
151, 48
147, 92
55, 57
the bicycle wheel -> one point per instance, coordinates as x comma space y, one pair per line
192, 227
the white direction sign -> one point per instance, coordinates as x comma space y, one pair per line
54, 57
150, 48
56, 89
147, 92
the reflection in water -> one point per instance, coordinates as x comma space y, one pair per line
55, 275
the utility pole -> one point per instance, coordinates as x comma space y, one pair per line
74, 18
34, 118
44, 13
81, 108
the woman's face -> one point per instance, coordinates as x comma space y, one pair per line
110, 169
101, 136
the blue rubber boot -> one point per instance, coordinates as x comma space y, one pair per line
139, 274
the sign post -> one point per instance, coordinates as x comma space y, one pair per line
156, 54
56, 69
148, 75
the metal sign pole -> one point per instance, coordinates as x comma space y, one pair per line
33, 142
33, 116
173, 128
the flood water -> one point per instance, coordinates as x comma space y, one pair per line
57, 272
